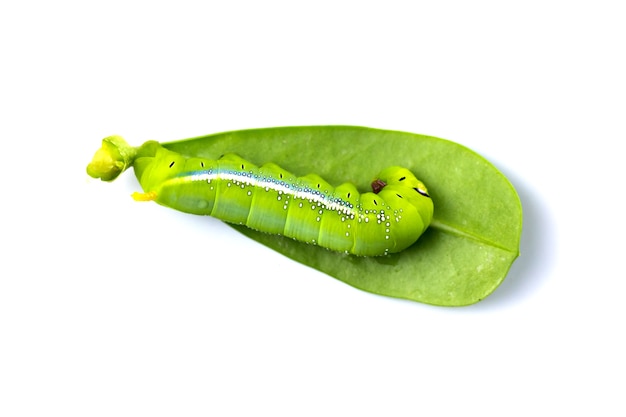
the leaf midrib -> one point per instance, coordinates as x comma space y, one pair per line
455, 230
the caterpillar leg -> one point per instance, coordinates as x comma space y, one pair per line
149, 196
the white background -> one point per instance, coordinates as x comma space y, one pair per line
114, 308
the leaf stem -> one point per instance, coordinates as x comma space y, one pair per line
113, 158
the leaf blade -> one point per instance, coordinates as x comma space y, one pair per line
461, 259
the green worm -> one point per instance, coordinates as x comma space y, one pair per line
272, 200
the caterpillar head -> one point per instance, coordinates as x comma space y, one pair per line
404, 184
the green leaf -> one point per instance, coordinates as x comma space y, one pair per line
463, 256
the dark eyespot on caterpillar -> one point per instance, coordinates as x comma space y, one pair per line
273, 200
422, 192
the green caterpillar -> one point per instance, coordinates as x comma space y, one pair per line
272, 200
